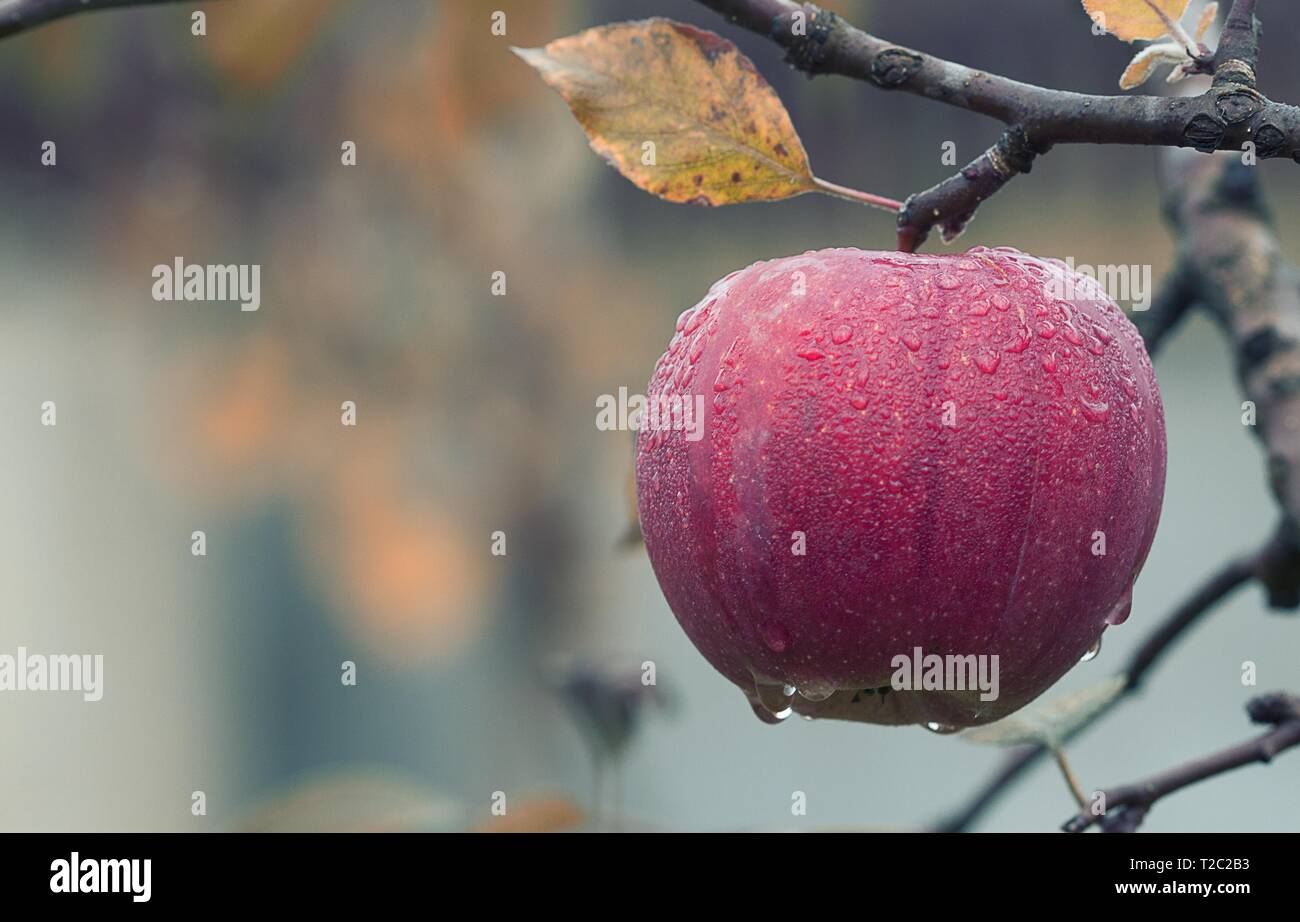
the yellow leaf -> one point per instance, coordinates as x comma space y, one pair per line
1132, 20
677, 110
1208, 16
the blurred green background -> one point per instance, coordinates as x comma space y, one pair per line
477, 413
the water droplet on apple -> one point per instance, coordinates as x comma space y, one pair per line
1020, 342
767, 716
693, 321
1123, 608
775, 636
1095, 412
814, 690
773, 698
1092, 653
943, 729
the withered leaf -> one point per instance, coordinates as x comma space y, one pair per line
677, 110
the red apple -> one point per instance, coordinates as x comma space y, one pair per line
971, 446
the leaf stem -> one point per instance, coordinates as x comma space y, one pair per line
1080, 798
853, 195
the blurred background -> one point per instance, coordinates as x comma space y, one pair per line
476, 414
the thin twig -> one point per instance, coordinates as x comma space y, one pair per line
20, 15
1218, 587
1126, 806
1171, 303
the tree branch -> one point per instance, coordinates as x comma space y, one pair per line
1229, 257
1126, 806
1231, 113
20, 15
952, 203
1238, 55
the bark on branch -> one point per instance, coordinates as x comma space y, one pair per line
1231, 113
1229, 263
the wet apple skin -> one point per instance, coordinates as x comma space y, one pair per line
954, 436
